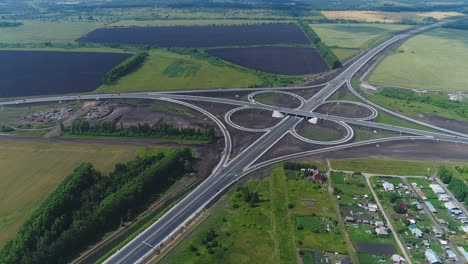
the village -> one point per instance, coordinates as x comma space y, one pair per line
379, 212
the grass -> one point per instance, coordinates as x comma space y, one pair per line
353, 36
168, 71
388, 119
389, 166
55, 32
414, 109
363, 133
267, 232
31, 170
316, 132
349, 39
344, 53
438, 66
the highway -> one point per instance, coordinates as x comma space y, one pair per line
226, 173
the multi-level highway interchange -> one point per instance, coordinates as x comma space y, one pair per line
229, 171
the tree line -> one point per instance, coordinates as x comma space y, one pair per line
460, 24
288, 165
87, 205
326, 53
160, 130
126, 67
5, 24
458, 188
4, 128
459, 107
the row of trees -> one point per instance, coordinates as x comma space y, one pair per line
326, 53
87, 204
160, 130
4, 128
288, 165
126, 67
5, 24
460, 24
458, 188
442, 101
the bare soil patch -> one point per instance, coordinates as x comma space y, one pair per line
278, 60
376, 248
33, 73
200, 36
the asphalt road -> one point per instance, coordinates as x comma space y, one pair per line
226, 173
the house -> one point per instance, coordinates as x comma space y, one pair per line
453, 209
444, 198
372, 207
416, 231
397, 259
318, 176
388, 186
430, 207
437, 232
464, 253
426, 243
379, 223
451, 255
437, 189
432, 257
349, 219
381, 231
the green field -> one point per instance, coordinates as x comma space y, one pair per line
165, 70
315, 132
31, 170
414, 108
391, 166
348, 39
438, 66
268, 231
40, 32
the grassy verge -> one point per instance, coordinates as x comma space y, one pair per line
390, 166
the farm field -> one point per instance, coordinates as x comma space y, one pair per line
439, 66
198, 37
165, 70
385, 17
29, 73
349, 39
289, 215
55, 32
23, 187
278, 60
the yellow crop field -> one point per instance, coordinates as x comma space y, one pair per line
31, 170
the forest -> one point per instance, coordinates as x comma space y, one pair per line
88, 204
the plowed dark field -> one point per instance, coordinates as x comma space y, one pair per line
30, 73
279, 60
200, 36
